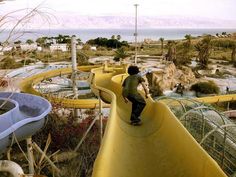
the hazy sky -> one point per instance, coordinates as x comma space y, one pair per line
223, 9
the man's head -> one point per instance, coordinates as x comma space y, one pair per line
132, 70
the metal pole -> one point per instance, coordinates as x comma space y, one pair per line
223, 153
30, 155
228, 105
136, 33
100, 118
74, 71
74, 65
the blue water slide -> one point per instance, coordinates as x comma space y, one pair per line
21, 115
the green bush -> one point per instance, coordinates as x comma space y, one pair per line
116, 59
10, 63
120, 54
82, 58
156, 91
27, 62
109, 43
86, 47
205, 87
232, 105
100, 48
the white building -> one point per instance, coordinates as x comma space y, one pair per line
28, 47
55, 47
39, 48
94, 48
79, 47
5, 49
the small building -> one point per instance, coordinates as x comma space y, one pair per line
94, 48
39, 48
28, 47
79, 47
6, 49
61, 47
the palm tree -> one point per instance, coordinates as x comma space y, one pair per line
118, 37
233, 54
186, 50
79, 41
171, 54
223, 33
162, 44
120, 54
29, 41
41, 41
18, 42
113, 37
188, 37
204, 51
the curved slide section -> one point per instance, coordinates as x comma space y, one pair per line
21, 114
216, 99
161, 147
28, 83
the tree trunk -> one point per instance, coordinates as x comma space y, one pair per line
161, 48
233, 54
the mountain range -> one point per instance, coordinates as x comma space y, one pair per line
71, 21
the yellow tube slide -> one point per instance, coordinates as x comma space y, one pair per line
27, 86
160, 147
219, 98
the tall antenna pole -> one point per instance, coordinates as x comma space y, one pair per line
136, 33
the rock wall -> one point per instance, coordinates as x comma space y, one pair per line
169, 76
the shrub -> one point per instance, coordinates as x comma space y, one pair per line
100, 48
48, 55
120, 54
205, 87
116, 59
232, 105
82, 58
108, 43
86, 47
156, 91
27, 62
10, 63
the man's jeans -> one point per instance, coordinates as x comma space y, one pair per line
138, 104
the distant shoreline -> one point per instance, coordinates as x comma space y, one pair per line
126, 34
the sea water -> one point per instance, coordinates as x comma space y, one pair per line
126, 34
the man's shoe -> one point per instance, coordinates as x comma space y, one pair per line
136, 123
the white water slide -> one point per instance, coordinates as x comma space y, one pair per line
21, 115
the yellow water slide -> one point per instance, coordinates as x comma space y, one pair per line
160, 147
217, 99
27, 85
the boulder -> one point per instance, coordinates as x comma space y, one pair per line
170, 76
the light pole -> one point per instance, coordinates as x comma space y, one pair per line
74, 66
136, 32
74, 72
